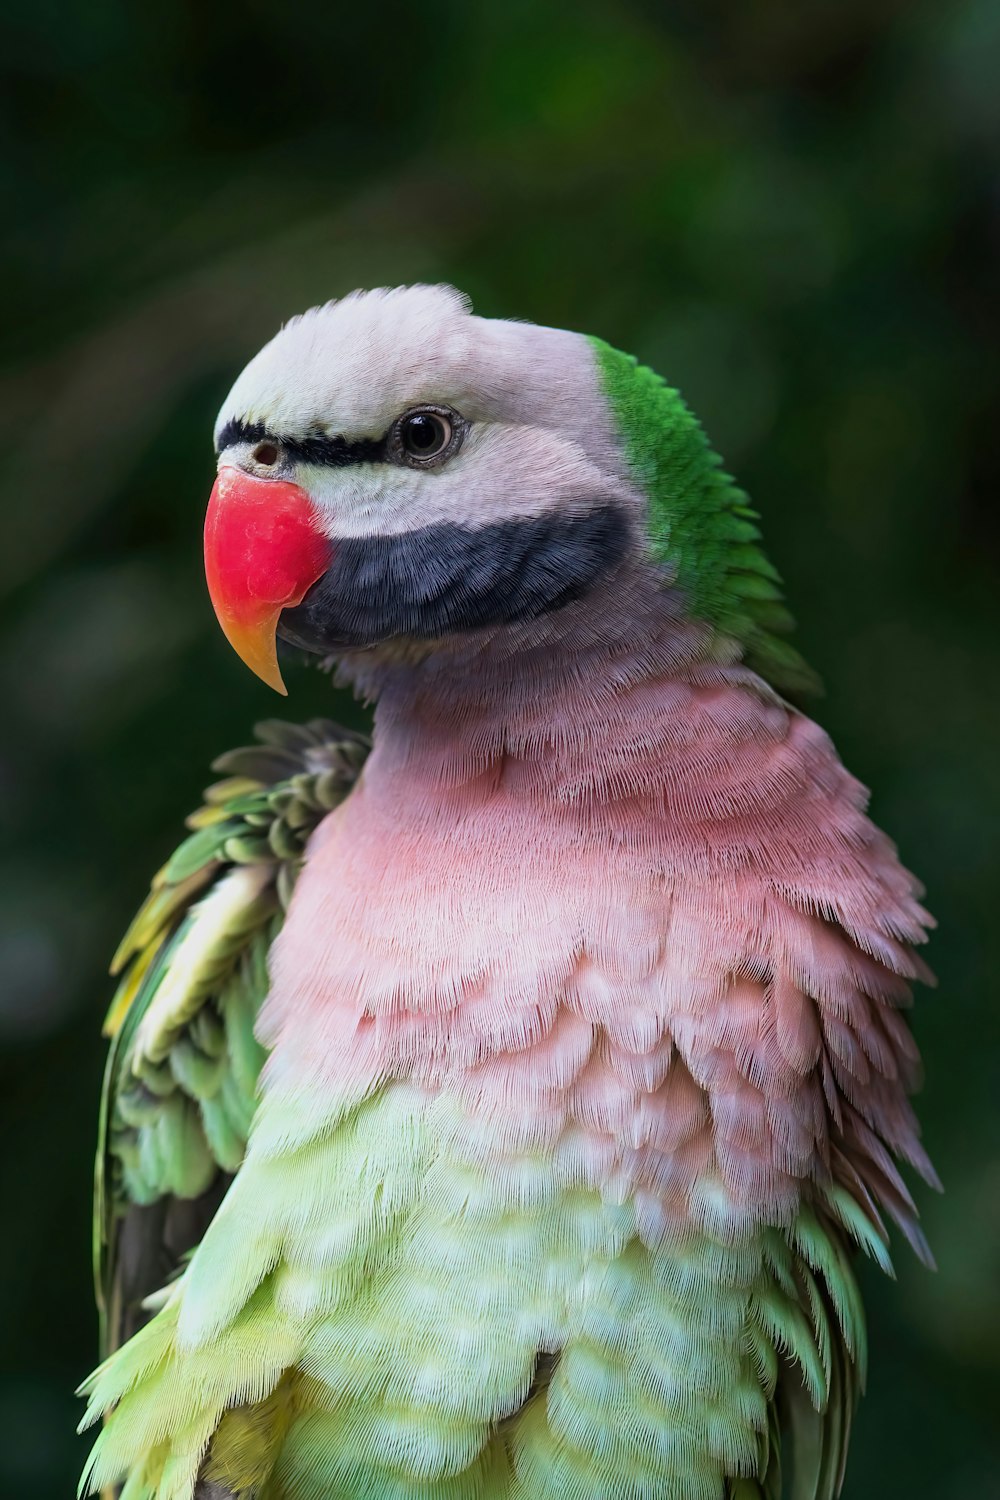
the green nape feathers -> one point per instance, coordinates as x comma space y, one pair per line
701, 524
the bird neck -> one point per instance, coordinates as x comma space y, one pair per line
539, 697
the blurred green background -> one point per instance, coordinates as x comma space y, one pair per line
792, 210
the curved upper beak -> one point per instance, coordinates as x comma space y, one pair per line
263, 552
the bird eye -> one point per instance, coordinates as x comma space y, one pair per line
266, 454
425, 434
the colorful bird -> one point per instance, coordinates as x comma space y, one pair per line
498, 1110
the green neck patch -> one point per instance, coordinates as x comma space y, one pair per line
700, 523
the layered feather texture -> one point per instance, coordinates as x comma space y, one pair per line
701, 526
475, 1330
180, 1086
586, 1065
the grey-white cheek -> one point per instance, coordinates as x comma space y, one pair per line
369, 501
389, 499
502, 471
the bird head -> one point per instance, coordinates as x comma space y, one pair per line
392, 468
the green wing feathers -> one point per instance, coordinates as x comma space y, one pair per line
181, 1079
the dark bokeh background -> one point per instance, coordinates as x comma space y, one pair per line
791, 210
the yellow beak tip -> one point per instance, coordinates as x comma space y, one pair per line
257, 649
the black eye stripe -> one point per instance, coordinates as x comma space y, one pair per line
331, 452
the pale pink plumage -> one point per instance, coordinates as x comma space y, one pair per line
626, 904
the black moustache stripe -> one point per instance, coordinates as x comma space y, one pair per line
331, 452
443, 578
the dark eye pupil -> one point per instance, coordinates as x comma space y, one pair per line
424, 434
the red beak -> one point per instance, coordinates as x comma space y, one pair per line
263, 552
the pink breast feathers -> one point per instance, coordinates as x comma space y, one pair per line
680, 969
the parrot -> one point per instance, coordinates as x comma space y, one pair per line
498, 1107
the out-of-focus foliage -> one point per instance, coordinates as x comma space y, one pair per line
790, 210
